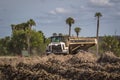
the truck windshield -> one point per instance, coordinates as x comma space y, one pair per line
56, 39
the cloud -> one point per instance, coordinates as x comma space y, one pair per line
101, 2
59, 10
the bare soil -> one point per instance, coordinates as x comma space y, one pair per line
82, 66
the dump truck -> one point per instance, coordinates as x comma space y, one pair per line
69, 45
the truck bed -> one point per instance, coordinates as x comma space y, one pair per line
76, 44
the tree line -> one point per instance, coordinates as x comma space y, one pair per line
25, 38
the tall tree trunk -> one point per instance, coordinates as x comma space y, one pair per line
28, 42
77, 34
97, 35
69, 30
28, 39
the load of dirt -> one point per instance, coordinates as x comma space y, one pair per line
108, 57
81, 66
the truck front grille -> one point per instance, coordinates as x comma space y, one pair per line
56, 48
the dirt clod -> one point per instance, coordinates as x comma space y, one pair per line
82, 66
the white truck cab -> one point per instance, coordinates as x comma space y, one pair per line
57, 46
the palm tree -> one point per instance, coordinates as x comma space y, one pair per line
70, 21
13, 27
98, 15
26, 27
54, 34
30, 23
60, 34
77, 30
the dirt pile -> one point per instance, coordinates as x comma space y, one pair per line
108, 57
82, 66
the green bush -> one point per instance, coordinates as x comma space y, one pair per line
111, 43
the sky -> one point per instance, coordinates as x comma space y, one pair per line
50, 16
